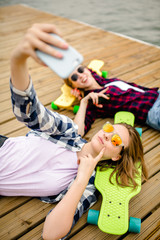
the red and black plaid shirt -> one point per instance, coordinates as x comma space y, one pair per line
139, 103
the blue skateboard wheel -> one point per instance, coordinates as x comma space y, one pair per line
139, 130
92, 217
134, 225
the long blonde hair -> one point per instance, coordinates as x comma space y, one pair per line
126, 168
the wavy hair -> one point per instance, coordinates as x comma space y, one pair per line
126, 168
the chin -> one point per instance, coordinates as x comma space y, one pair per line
96, 146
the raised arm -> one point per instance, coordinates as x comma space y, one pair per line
36, 37
25, 103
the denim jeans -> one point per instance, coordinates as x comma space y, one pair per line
153, 118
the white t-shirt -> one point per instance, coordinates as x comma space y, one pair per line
123, 86
33, 166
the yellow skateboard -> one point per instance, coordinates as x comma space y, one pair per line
113, 217
66, 99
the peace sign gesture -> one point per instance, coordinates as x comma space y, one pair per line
95, 97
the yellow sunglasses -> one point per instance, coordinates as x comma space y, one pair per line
115, 139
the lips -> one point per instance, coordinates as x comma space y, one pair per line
100, 140
84, 80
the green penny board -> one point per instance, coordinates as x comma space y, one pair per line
114, 212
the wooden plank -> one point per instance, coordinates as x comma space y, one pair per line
124, 58
150, 228
23, 219
34, 234
152, 159
150, 139
8, 204
146, 76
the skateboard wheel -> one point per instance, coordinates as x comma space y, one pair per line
104, 74
139, 130
92, 217
134, 225
54, 106
75, 109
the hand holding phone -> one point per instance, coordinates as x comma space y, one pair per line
65, 66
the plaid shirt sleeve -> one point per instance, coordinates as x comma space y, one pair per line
38, 118
50, 125
87, 200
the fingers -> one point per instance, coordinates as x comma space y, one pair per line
107, 97
104, 90
41, 45
76, 92
49, 28
94, 96
37, 37
97, 158
88, 163
50, 39
99, 105
100, 155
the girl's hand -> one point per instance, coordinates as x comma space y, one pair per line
38, 37
76, 92
87, 164
95, 96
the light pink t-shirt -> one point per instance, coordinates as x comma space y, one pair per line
39, 168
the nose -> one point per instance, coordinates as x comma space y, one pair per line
107, 136
80, 75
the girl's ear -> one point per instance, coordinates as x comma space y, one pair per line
118, 157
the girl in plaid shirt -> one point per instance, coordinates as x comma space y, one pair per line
121, 146
143, 102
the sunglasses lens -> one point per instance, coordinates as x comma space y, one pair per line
74, 77
116, 140
108, 128
80, 69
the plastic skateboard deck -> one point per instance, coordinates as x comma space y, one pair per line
66, 99
113, 217
124, 117
96, 65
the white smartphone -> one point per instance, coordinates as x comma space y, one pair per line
65, 66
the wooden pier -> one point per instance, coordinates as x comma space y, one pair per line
23, 217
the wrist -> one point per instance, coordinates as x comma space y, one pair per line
82, 180
17, 57
84, 102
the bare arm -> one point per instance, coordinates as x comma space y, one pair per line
58, 223
36, 38
80, 116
